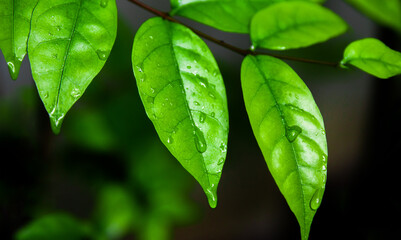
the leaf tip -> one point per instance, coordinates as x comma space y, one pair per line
56, 121
13, 68
211, 197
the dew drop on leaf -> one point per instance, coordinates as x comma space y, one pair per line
221, 161
292, 133
202, 117
196, 103
103, 3
200, 141
316, 199
170, 140
102, 54
75, 93
252, 48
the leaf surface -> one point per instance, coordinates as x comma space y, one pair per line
69, 43
183, 93
15, 18
289, 25
374, 57
226, 15
387, 13
290, 132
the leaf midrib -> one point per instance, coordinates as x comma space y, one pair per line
277, 105
67, 53
187, 108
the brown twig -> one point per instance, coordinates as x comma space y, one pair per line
228, 46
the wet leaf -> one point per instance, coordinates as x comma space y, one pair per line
289, 129
374, 57
289, 25
15, 18
228, 15
184, 95
69, 43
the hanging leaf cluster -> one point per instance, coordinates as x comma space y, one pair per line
180, 84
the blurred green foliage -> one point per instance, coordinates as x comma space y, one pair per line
108, 149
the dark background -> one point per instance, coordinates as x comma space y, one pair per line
107, 131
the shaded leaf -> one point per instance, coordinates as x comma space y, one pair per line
15, 18
387, 13
69, 43
184, 95
290, 132
289, 25
55, 226
117, 211
374, 57
227, 15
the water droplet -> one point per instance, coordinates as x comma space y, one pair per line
200, 141
13, 70
75, 93
211, 197
223, 147
221, 161
212, 95
323, 132
101, 54
316, 199
189, 67
213, 114
324, 168
324, 158
58, 28
252, 48
103, 3
170, 140
202, 117
45, 95
151, 37
139, 69
152, 90
196, 103
292, 133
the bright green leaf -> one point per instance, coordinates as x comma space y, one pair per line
184, 95
226, 15
290, 132
69, 43
374, 57
15, 17
385, 12
54, 226
289, 25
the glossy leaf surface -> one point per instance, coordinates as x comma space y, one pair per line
374, 57
290, 132
385, 12
15, 18
184, 95
226, 15
69, 43
289, 25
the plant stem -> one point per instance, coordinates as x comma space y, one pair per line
228, 46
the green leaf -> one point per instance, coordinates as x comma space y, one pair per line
69, 43
387, 12
374, 57
289, 25
55, 226
15, 17
290, 132
226, 15
184, 95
